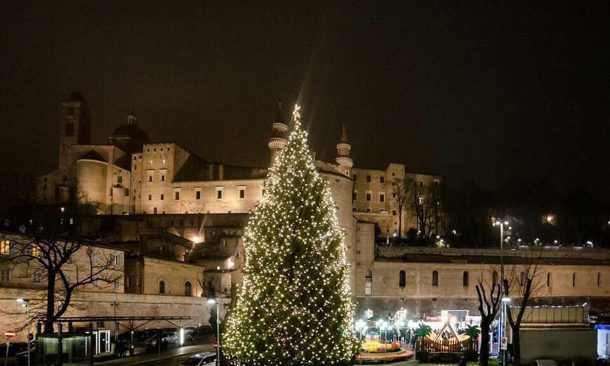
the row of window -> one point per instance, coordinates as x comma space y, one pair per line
369, 196
219, 194
402, 279
369, 178
188, 288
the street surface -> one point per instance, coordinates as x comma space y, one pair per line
172, 357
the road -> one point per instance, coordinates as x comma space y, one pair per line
172, 357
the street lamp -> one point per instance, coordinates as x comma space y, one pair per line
212, 302
501, 224
505, 301
26, 304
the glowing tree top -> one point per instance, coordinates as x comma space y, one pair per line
294, 306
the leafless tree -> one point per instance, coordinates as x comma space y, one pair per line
489, 304
423, 201
401, 192
66, 265
520, 286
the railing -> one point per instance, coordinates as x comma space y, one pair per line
445, 345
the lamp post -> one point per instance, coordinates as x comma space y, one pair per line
212, 302
501, 224
505, 301
26, 304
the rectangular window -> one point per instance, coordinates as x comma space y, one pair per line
368, 178
355, 196
368, 196
150, 197
5, 275
162, 178
5, 247
36, 277
368, 283
219, 193
162, 197
150, 178
127, 281
382, 180
381, 197
355, 176
35, 251
197, 195
119, 179
574, 279
176, 195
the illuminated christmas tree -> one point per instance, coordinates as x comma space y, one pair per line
294, 305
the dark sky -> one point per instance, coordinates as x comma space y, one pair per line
488, 91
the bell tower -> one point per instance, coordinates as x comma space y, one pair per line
74, 125
279, 132
343, 151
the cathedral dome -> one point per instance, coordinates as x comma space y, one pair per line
129, 137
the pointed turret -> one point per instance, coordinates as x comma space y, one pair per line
343, 150
279, 132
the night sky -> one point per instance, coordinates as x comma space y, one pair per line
484, 91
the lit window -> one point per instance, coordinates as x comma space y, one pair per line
368, 283
35, 251
5, 247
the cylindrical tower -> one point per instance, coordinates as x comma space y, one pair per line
279, 132
343, 151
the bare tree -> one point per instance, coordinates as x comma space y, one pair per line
66, 265
520, 286
423, 202
489, 304
401, 192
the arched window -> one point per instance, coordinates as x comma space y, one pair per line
434, 278
161, 287
495, 277
188, 289
466, 279
402, 279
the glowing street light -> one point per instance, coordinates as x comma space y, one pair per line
26, 304
212, 302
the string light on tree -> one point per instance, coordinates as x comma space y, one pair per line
294, 305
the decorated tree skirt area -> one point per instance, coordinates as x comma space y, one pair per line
373, 351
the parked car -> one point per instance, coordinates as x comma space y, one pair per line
200, 359
167, 337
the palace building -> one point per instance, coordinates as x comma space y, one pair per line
177, 220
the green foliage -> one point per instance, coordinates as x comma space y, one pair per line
294, 307
423, 330
472, 331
